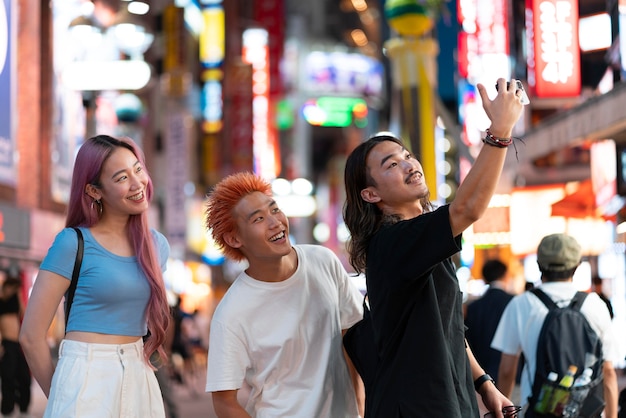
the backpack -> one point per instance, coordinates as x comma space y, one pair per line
566, 339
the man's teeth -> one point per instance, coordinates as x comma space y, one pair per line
277, 236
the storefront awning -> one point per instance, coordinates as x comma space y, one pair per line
580, 204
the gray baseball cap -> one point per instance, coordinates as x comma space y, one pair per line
558, 252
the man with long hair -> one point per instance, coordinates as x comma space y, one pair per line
404, 246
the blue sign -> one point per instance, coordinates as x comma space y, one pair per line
7, 142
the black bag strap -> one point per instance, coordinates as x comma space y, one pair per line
575, 304
69, 298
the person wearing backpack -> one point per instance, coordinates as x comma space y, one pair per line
521, 329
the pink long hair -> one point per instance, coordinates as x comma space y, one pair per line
87, 169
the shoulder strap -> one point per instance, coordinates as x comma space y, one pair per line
576, 303
72, 289
578, 300
544, 298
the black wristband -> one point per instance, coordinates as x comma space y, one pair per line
481, 380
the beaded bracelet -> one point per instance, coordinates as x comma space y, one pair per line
495, 141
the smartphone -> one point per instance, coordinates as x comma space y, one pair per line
520, 86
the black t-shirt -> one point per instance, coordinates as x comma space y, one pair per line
482, 318
416, 308
10, 305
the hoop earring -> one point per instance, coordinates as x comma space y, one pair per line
99, 205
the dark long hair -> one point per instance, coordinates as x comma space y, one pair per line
87, 169
362, 218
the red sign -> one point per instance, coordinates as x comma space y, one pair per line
554, 58
468, 55
492, 27
483, 34
238, 123
271, 16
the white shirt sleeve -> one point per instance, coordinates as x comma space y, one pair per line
227, 360
507, 336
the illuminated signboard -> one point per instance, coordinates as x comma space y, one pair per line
335, 111
483, 57
256, 52
343, 73
483, 42
554, 58
212, 38
211, 48
492, 28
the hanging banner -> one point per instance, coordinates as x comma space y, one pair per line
177, 139
238, 123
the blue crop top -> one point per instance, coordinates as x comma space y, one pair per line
112, 292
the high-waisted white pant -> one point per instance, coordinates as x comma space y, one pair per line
103, 381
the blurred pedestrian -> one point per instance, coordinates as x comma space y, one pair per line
104, 365
483, 315
596, 286
164, 372
558, 257
405, 247
183, 349
279, 326
14, 373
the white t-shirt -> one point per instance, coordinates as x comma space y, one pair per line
284, 340
522, 319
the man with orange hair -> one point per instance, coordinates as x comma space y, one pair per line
278, 328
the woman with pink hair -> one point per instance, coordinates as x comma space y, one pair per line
119, 313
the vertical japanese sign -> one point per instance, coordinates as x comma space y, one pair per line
271, 15
7, 81
212, 53
177, 154
255, 52
483, 56
238, 121
553, 60
492, 27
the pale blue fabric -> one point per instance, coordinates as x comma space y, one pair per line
112, 292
